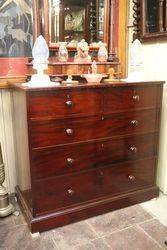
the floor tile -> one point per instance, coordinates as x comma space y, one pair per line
8, 221
158, 208
131, 239
156, 230
75, 234
98, 244
19, 238
13, 236
41, 243
19, 220
108, 223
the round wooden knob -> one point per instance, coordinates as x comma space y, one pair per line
69, 131
69, 103
70, 161
70, 192
134, 122
132, 177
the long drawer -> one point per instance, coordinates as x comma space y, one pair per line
64, 159
53, 132
68, 190
65, 103
116, 99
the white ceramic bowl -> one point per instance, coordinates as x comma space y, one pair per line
93, 77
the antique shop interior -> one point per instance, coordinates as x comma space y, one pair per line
83, 124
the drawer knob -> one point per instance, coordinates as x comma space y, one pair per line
69, 131
70, 192
69, 103
70, 161
132, 177
133, 149
136, 97
134, 122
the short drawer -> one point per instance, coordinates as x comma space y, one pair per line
126, 98
68, 190
54, 132
64, 159
64, 103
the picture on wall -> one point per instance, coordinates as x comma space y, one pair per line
16, 33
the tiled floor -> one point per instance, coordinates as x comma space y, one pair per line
132, 228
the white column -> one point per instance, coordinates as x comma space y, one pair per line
7, 138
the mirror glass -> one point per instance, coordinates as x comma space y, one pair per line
152, 16
74, 20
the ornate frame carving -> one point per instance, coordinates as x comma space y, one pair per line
139, 15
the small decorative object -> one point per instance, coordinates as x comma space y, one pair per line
40, 54
94, 67
102, 53
82, 55
63, 52
111, 73
6, 207
95, 45
136, 71
72, 43
69, 80
93, 77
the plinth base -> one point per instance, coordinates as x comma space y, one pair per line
66, 216
6, 210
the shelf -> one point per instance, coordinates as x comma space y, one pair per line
57, 63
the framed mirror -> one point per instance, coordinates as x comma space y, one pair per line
73, 20
150, 19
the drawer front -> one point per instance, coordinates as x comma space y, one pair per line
130, 98
64, 103
65, 191
54, 132
64, 159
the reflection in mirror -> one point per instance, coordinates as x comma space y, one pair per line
152, 16
74, 20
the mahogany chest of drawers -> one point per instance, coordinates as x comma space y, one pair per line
85, 150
